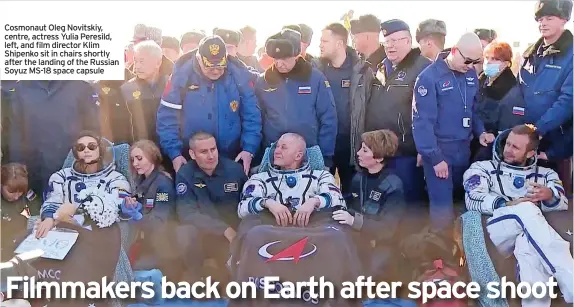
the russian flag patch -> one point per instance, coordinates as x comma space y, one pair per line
149, 203
518, 111
304, 90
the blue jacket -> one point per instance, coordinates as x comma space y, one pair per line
157, 196
226, 108
546, 83
439, 109
379, 205
46, 118
500, 105
210, 202
299, 101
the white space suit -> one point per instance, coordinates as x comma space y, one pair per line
70, 186
521, 229
291, 188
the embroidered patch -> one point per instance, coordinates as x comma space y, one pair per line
304, 90
422, 91
518, 111
293, 202
446, 83
161, 197
193, 87
30, 195
233, 105
249, 190
472, 183
136, 94
271, 89
469, 79
327, 84
200, 185
230, 187
401, 75
181, 188
149, 203
345, 83
376, 196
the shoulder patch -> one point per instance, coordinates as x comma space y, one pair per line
327, 84
422, 91
472, 183
162, 196
181, 188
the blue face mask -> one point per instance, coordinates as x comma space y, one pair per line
491, 69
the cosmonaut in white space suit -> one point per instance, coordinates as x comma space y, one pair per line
515, 191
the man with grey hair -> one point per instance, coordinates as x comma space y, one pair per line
290, 189
431, 35
134, 117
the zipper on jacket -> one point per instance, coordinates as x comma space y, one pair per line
396, 85
401, 125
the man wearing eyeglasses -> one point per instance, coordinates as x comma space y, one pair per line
444, 123
209, 93
390, 103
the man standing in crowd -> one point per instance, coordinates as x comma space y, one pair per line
190, 40
170, 47
444, 122
365, 32
546, 83
135, 117
231, 38
247, 46
350, 79
390, 104
295, 97
306, 38
209, 93
45, 118
431, 35
208, 191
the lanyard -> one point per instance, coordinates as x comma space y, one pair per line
463, 97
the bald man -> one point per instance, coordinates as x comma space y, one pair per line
444, 123
290, 189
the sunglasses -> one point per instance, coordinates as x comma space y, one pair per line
468, 61
91, 146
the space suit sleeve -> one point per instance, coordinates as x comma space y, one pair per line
55, 195
329, 194
559, 200
120, 183
169, 113
425, 113
478, 197
252, 197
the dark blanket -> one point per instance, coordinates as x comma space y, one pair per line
322, 249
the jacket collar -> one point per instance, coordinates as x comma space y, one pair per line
501, 85
200, 174
560, 46
301, 72
410, 59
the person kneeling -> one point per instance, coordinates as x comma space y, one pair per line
208, 190
290, 189
378, 205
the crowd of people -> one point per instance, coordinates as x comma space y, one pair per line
379, 135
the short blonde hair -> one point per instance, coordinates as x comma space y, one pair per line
383, 143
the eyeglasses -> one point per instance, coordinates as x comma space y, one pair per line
468, 61
393, 41
91, 146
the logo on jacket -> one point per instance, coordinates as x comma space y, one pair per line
137, 94
233, 105
200, 185
401, 76
327, 84
376, 196
181, 188
269, 90
518, 111
194, 87
291, 253
422, 91
446, 83
106, 90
